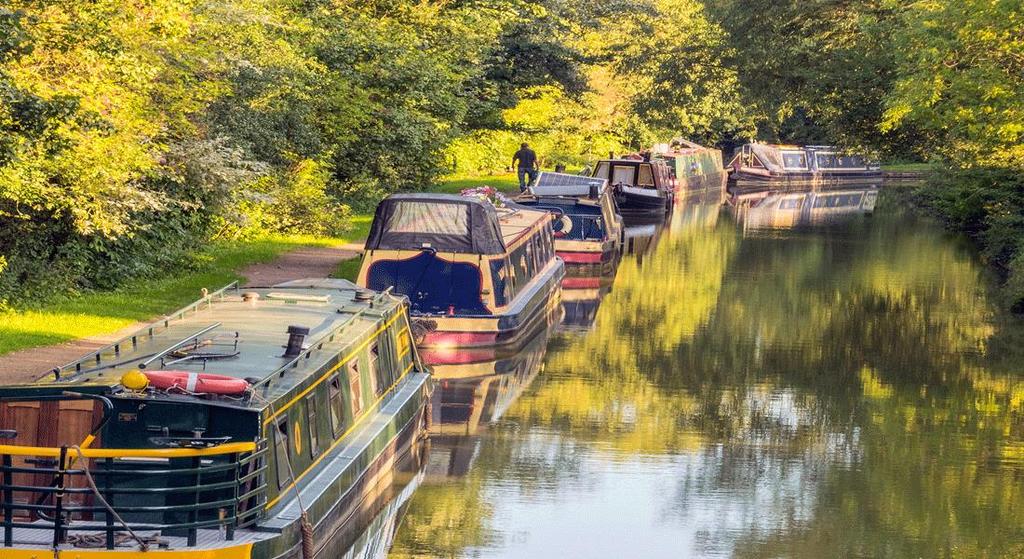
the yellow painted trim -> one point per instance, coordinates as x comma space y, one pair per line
331, 372
339, 440
243, 551
228, 448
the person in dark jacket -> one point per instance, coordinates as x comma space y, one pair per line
525, 162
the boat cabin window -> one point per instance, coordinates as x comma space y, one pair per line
833, 161
380, 374
602, 170
624, 175
433, 218
337, 405
755, 162
646, 176
794, 160
355, 387
314, 436
281, 449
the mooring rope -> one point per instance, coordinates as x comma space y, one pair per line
143, 545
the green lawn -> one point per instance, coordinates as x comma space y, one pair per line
348, 269
507, 183
101, 312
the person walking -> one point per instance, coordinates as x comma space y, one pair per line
525, 162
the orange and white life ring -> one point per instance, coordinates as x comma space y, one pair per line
566, 227
200, 383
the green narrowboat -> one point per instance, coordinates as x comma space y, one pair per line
692, 166
250, 424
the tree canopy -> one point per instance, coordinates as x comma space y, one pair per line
130, 126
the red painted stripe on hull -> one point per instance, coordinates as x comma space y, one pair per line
582, 257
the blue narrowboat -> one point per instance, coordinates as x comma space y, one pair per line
476, 275
587, 226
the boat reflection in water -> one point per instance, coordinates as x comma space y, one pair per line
370, 532
581, 297
470, 396
785, 209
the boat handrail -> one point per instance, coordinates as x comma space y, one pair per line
95, 358
179, 490
327, 337
54, 452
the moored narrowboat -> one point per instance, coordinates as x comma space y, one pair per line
642, 185
586, 224
691, 165
476, 275
799, 166
247, 425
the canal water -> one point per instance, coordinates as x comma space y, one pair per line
752, 383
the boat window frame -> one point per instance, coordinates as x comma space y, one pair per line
803, 154
373, 359
282, 437
355, 386
336, 394
837, 156
633, 173
314, 434
638, 176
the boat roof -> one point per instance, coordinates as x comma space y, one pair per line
563, 184
631, 161
248, 329
680, 146
448, 223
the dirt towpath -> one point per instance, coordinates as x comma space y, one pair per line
309, 262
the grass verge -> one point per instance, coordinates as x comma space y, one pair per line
100, 312
507, 183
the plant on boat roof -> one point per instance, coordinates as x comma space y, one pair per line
487, 194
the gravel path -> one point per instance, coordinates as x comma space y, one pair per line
311, 262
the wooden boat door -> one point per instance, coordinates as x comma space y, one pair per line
48, 424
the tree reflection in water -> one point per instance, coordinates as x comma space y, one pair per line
841, 391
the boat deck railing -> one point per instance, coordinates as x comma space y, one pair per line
110, 356
66, 491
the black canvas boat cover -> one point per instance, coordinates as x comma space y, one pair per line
443, 222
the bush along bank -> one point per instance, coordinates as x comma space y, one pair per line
987, 204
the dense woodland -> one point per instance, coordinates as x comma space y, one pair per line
133, 132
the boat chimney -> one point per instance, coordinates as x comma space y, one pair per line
296, 335
594, 191
647, 156
611, 155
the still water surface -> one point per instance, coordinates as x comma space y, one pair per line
748, 385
